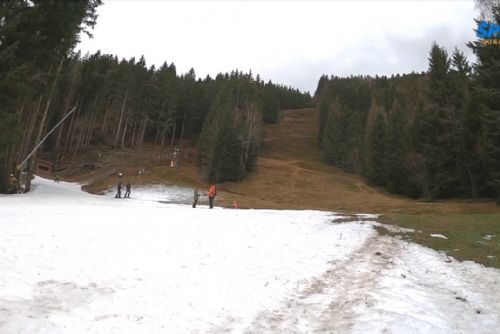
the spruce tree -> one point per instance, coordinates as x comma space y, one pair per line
36, 37
375, 164
487, 97
440, 128
396, 153
270, 104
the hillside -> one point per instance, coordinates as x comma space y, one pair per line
291, 173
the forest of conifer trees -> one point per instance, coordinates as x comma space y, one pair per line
426, 135
119, 102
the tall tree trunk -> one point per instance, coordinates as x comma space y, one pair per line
72, 145
173, 135
47, 105
89, 133
83, 134
132, 141
249, 142
88, 136
143, 131
182, 127
31, 128
163, 135
80, 133
106, 114
8, 165
20, 111
19, 153
121, 119
251, 122
473, 186
157, 138
70, 135
61, 128
124, 132
5, 173
45, 130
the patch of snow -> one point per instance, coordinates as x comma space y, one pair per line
419, 291
336, 217
393, 228
158, 193
75, 260
437, 235
367, 216
488, 237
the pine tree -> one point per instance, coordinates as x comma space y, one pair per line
217, 120
36, 37
396, 153
375, 164
440, 128
324, 108
487, 104
487, 97
270, 104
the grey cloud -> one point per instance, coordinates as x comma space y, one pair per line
391, 54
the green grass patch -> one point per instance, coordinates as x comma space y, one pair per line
473, 237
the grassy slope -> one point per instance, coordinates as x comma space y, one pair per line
292, 173
470, 236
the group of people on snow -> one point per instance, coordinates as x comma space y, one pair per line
128, 187
212, 192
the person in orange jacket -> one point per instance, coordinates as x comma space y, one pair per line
211, 195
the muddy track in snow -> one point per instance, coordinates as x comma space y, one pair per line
349, 285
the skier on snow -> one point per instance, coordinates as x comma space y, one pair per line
127, 192
211, 195
196, 196
119, 193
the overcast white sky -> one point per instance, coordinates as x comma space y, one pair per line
289, 42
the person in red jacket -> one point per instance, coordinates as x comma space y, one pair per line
211, 195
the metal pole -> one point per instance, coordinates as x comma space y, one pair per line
21, 165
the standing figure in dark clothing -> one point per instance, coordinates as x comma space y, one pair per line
211, 196
196, 196
127, 191
119, 193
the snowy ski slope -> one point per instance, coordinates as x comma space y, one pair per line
71, 262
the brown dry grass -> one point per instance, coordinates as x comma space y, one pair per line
291, 173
